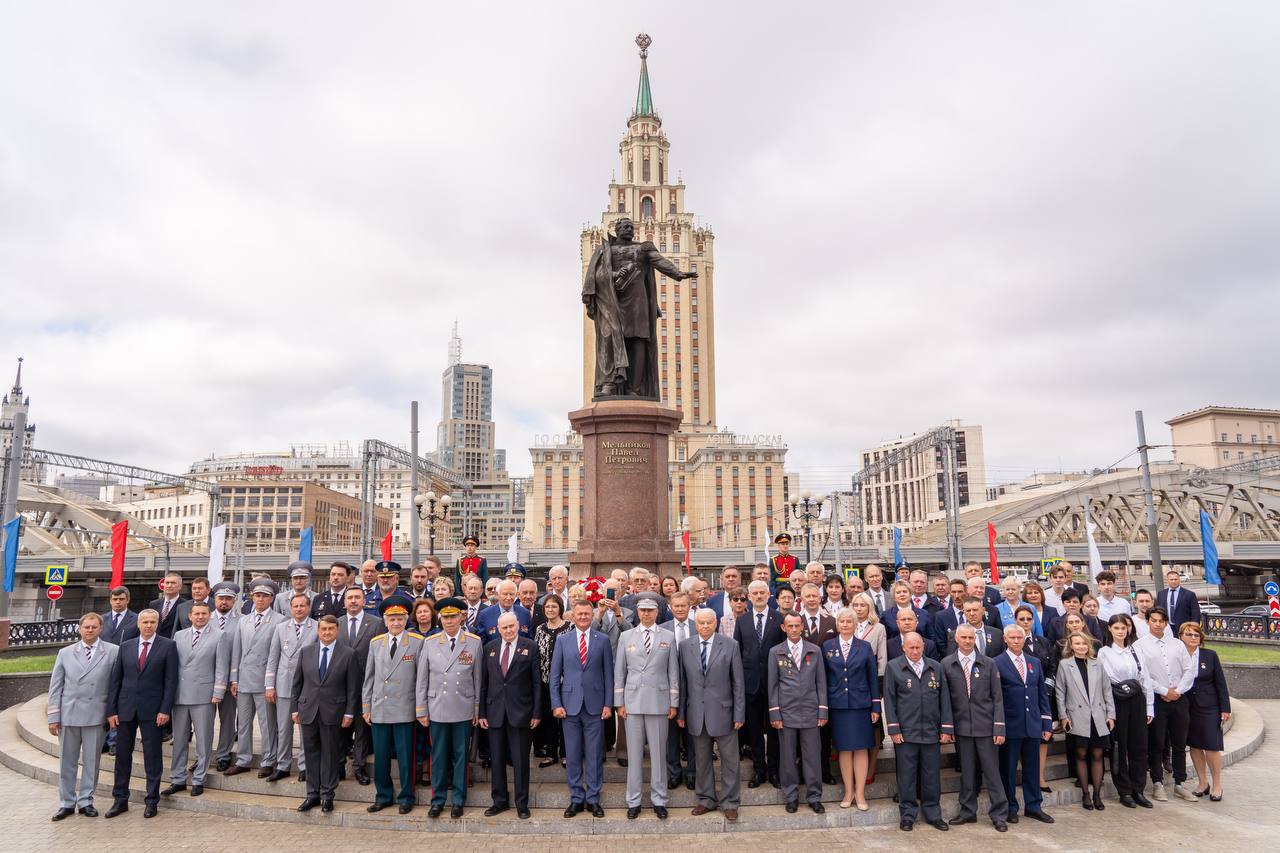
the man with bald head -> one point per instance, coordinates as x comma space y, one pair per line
487, 621
978, 707
510, 708
917, 715
907, 622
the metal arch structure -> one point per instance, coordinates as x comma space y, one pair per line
373, 452
942, 438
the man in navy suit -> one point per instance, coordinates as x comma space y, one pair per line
144, 685
1180, 604
906, 624
119, 623
757, 631
730, 579
167, 604
487, 621
510, 708
1027, 723
581, 682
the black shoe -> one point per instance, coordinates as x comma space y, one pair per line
622, 762
278, 775
116, 808
939, 824
173, 789
523, 814
895, 796
828, 779
905, 825
661, 812
792, 806
405, 808
1141, 799
362, 776
168, 736
434, 811
960, 819
1040, 816
756, 781
197, 790
105, 747
818, 808
308, 804
1000, 825
222, 765
547, 763
302, 775
1127, 801
150, 811
455, 812
64, 813
574, 809
596, 809
673, 783
495, 810
773, 780
326, 806
1086, 802
342, 773
1045, 789
1013, 818
88, 811
377, 807
633, 812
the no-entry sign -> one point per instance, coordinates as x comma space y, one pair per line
54, 593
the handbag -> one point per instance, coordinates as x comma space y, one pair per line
1130, 687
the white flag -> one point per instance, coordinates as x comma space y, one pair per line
1095, 559
217, 553
513, 549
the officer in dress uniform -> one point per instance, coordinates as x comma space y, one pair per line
223, 620
288, 639
389, 582
390, 702
449, 679
204, 655
471, 563
917, 713
783, 563
250, 648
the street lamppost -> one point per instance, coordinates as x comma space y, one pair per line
432, 510
806, 509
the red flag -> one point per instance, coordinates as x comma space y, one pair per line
684, 537
991, 545
386, 545
119, 539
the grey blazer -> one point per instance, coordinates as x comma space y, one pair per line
250, 649
392, 692
202, 670
646, 683
78, 689
282, 658
1073, 704
711, 703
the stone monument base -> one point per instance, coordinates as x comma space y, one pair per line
625, 509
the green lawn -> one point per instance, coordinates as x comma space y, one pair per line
1246, 653
27, 663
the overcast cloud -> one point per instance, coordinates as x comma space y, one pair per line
243, 225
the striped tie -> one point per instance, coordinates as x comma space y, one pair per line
648, 641
705, 643
88, 654
582, 648
297, 630
1022, 668
195, 635
968, 684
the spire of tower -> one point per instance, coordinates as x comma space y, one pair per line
644, 97
17, 381
455, 346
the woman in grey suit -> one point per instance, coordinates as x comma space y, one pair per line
1088, 712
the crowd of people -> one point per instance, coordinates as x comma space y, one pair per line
786, 676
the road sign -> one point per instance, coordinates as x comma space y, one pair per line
1271, 588
1274, 604
55, 575
54, 592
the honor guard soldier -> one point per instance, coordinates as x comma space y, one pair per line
449, 679
782, 564
471, 563
390, 702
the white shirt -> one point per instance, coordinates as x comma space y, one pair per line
1140, 628
1016, 659
509, 650
1168, 661
685, 627
583, 635
794, 649
880, 597
966, 661
1122, 665
917, 666
1110, 607
347, 624
1053, 599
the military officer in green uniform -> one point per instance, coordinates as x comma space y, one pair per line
391, 702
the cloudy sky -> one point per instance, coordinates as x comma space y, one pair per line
242, 227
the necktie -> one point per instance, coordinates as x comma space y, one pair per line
681, 632
453, 644
393, 648
795, 655
582, 648
705, 651
982, 641
142, 657
1173, 599
257, 620
760, 625
119, 616
297, 630
916, 602
648, 641
165, 614
1022, 668
88, 654
351, 630
471, 617
844, 650
813, 624
222, 622
506, 658
195, 637
324, 661
968, 668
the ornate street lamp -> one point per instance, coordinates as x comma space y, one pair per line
806, 509
432, 510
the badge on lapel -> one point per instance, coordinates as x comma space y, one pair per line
524, 652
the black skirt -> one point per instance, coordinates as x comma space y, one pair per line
1204, 729
1095, 739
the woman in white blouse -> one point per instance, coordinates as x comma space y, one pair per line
870, 631
1135, 707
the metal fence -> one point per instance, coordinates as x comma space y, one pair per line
1236, 627
43, 633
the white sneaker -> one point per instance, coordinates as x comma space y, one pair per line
1158, 794
1185, 793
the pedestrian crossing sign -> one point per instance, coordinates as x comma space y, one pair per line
55, 576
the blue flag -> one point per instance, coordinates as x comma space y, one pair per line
1210, 550
304, 544
11, 552
898, 562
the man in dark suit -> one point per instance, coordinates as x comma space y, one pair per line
990, 642
949, 617
119, 623
1181, 604
917, 715
332, 601
144, 686
1027, 722
487, 622
759, 630
906, 624
581, 682
977, 707
326, 690
356, 628
990, 594
819, 627
510, 708
1071, 601
199, 592
167, 604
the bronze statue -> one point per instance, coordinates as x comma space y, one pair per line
621, 297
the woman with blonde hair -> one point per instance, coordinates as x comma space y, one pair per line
870, 631
1087, 711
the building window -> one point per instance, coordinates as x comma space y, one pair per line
671, 206
1224, 436
644, 171
646, 206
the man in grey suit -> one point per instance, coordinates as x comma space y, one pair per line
250, 649
356, 627
646, 692
797, 710
299, 582
203, 653
77, 711
326, 691
917, 715
712, 709
223, 620
287, 640
978, 708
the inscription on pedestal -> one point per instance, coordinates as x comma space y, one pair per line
625, 456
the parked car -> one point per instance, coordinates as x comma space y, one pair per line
1208, 608
1255, 610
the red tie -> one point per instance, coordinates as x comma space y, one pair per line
142, 656
1022, 668
582, 648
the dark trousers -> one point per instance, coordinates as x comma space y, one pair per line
359, 740
1168, 731
510, 744
152, 759
806, 743
764, 759
1129, 756
979, 757
917, 768
322, 748
680, 741
393, 739
1027, 751
824, 735
449, 761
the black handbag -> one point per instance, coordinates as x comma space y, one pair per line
1130, 687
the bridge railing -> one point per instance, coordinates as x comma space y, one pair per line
1237, 627
48, 633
